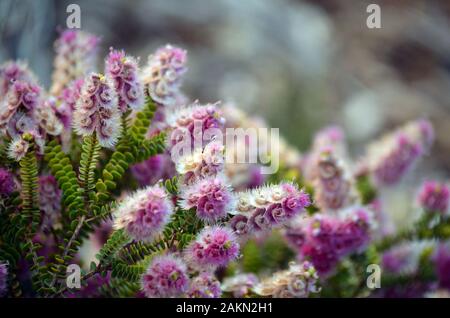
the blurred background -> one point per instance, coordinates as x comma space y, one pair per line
299, 64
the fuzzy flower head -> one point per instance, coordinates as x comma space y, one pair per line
7, 184
202, 163
165, 277
240, 285
67, 102
332, 185
396, 154
49, 200
11, 72
214, 247
47, 118
434, 197
296, 282
162, 76
205, 285
144, 214
18, 148
211, 197
193, 127
97, 110
76, 53
266, 207
3, 279
124, 69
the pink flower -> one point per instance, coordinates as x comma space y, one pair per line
163, 74
165, 277
144, 214
13, 71
123, 69
97, 110
205, 285
214, 246
434, 197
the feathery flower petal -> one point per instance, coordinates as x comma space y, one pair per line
205, 285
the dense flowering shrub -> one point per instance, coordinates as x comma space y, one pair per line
122, 161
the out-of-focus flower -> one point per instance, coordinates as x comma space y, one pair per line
124, 69
324, 239
47, 118
49, 200
211, 197
18, 149
205, 285
76, 53
268, 206
202, 163
390, 158
214, 246
165, 277
68, 99
7, 185
332, 184
163, 74
404, 258
442, 263
97, 110
3, 279
153, 169
434, 197
240, 285
299, 281
145, 213
13, 71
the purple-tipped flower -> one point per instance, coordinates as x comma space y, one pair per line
211, 197
214, 246
392, 157
49, 200
47, 118
165, 277
442, 263
144, 214
240, 285
123, 69
205, 285
163, 74
7, 184
17, 110
68, 100
11, 72
153, 169
18, 149
75, 57
97, 110
3, 279
434, 197
332, 186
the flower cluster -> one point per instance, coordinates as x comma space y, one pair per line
97, 110
166, 276
202, 163
324, 239
68, 100
205, 285
240, 285
211, 197
214, 247
434, 197
47, 117
7, 184
75, 57
124, 70
144, 214
298, 281
162, 76
332, 184
49, 200
3, 279
10, 72
265, 207
390, 158
403, 259
153, 169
